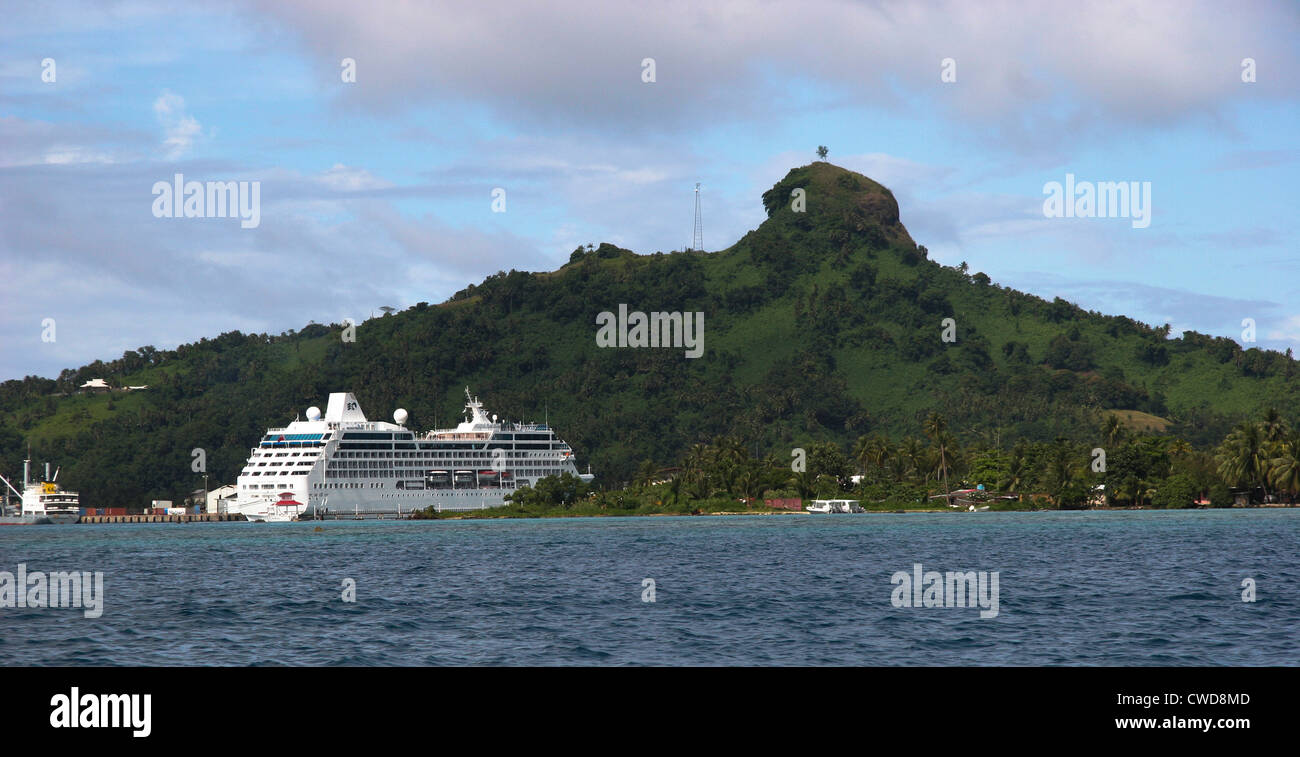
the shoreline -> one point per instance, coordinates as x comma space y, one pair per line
718, 513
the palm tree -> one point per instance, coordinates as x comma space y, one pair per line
1243, 457
749, 483
909, 457
1061, 469
726, 475
821, 151
872, 452
937, 429
880, 451
1284, 466
1017, 472
646, 474
888, 456
698, 484
804, 483
730, 449
1274, 425
1136, 487
698, 458
862, 453
1113, 430
675, 488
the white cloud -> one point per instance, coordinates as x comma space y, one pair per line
25, 142
180, 129
344, 178
142, 280
73, 154
1041, 74
1288, 330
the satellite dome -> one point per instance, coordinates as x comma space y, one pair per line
313, 413
399, 415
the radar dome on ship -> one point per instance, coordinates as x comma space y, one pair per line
399, 415
313, 413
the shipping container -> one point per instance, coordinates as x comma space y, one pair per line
114, 511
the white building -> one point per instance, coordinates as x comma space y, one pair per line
219, 499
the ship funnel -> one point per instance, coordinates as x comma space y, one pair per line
27, 476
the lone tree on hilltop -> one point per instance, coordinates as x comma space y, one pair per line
821, 151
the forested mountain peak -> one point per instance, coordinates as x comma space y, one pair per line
824, 324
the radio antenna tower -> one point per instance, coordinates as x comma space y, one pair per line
697, 239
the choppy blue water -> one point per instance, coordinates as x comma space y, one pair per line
1078, 588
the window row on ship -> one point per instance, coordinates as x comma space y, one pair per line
420, 472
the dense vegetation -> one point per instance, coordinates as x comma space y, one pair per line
823, 332
1258, 459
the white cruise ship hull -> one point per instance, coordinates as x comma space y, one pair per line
394, 504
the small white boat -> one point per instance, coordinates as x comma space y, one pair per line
834, 506
283, 510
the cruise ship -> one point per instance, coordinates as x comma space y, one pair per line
342, 465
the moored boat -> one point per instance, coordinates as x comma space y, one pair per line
340, 464
283, 510
42, 501
834, 506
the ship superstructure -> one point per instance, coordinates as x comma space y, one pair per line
43, 500
343, 465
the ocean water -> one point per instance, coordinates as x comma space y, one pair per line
1075, 588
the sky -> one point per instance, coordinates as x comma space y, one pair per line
379, 134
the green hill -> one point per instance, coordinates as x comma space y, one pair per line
822, 325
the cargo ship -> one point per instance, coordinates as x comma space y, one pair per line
41, 501
342, 465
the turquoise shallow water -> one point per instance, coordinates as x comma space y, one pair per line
1076, 588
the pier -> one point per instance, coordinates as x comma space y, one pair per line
149, 518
